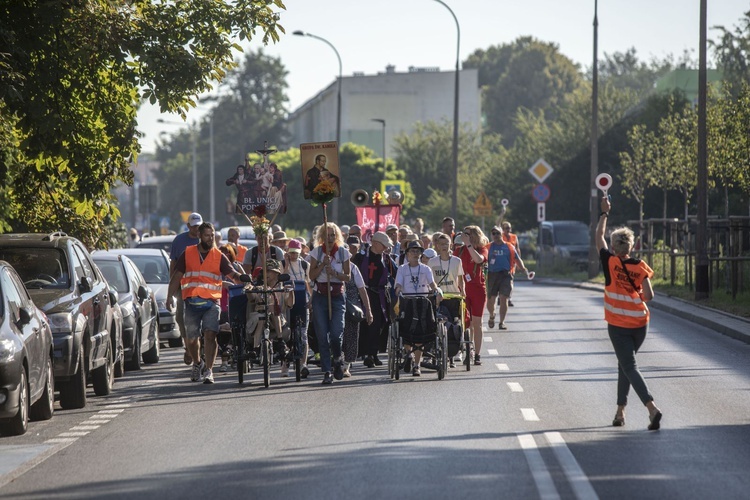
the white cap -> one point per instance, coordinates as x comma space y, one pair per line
430, 253
195, 219
345, 229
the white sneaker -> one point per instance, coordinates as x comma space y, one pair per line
208, 378
284, 369
197, 372
347, 373
224, 367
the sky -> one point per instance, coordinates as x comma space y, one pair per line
369, 35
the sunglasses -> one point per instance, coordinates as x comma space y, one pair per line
495, 233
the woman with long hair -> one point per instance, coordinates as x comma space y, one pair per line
473, 255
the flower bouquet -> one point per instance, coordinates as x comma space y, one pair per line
259, 222
323, 193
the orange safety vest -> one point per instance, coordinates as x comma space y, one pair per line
202, 278
624, 306
241, 251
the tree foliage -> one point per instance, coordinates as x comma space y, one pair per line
733, 53
71, 79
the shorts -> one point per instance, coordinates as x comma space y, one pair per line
476, 300
197, 322
500, 282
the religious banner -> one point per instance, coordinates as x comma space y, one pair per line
373, 218
320, 164
259, 183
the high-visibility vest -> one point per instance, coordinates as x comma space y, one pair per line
241, 251
624, 306
202, 279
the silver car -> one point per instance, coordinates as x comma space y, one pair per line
154, 266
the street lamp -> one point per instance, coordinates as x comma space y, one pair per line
593, 205
194, 139
335, 207
382, 121
454, 199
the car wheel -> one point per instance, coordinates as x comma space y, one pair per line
119, 355
19, 423
135, 360
43, 409
152, 355
102, 377
175, 342
73, 392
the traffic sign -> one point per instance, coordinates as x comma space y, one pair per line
541, 170
540, 211
483, 206
540, 192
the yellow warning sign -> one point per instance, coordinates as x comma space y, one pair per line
483, 206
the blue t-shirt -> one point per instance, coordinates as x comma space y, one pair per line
180, 243
499, 258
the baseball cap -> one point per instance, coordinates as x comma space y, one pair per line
294, 246
382, 238
430, 253
458, 240
345, 229
352, 240
195, 219
391, 227
273, 265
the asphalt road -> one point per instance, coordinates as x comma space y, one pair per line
534, 421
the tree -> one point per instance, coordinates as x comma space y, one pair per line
625, 71
638, 166
733, 53
86, 64
527, 74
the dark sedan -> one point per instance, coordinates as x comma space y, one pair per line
140, 323
27, 382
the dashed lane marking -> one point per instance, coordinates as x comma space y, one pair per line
529, 415
487, 339
502, 367
492, 352
515, 387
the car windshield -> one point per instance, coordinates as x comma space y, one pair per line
154, 268
572, 235
114, 272
38, 267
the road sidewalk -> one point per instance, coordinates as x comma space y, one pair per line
719, 321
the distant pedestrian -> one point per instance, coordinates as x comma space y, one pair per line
473, 255
503, 258
627, 288
179, 244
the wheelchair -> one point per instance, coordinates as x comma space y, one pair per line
451, 317
416, 325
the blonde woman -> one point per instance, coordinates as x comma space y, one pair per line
627, 288
329, 269
473, 255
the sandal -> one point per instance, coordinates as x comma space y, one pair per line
618, 421
491, 322
655, 421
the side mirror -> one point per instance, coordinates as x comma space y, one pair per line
85, 285
23, 317
142, 293
112, 298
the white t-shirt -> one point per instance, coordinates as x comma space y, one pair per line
446, 273
415, 279
337, 263
359, 282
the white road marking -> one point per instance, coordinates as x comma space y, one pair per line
85, 427
61, 440
492, 352
72, 434
112, 411
515, 387
119, 405
487, 339
103, 416
529, 415
542, 478
577, 478
502, 367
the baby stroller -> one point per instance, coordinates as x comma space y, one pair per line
450, 316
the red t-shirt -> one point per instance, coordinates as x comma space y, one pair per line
471, 268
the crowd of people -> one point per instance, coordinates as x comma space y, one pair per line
335, 267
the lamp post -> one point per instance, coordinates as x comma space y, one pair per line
593, 205
382, 121
454, 198
335, 205
194, 140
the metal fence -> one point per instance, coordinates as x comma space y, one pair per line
668, 246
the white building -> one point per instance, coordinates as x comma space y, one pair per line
401, 99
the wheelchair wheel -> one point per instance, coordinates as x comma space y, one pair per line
266, 357
399, 354
392, 336
239, 351
467, 352
441, 352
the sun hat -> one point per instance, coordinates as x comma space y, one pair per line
280, 236
294, 246
414, 244
382, 238
391, 227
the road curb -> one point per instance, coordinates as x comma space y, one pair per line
727, 324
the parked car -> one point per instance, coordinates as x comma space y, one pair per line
64, 282
162, 242
27, 381
154, 266
140, 313
564, 241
